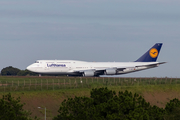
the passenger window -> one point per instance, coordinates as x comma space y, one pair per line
36, 61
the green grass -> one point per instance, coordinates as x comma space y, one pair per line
11, 83
86, 90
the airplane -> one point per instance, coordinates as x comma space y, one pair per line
92, 69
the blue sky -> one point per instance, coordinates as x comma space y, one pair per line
90, 30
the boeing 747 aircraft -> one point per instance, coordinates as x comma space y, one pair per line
89, 69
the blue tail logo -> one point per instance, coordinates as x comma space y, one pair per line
151, 55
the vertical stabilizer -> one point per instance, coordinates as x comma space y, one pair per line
151, 55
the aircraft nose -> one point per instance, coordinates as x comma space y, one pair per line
31, 68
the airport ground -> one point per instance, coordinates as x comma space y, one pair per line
156, 94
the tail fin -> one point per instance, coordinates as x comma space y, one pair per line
151, 55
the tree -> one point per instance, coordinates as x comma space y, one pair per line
22, 73
12, 109
15, 71
104, 104
26, 72
173, 109
9, 71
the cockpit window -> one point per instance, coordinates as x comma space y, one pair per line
36, 61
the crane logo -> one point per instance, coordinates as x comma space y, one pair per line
153, 52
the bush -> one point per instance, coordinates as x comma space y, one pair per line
9, 71
12, 109
26, 72
104, 104
173, 109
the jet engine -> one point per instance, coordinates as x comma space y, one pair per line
88, 73
112, 71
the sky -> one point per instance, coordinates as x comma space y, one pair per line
90, 30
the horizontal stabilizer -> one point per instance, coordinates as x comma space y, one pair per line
151, 65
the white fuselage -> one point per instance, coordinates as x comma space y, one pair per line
72, 67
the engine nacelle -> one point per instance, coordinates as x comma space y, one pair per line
110, 71
88, 73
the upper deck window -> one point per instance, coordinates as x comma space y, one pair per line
36, 61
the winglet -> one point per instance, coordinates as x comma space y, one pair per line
151, 55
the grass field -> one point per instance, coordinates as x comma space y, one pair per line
49, 92
55, 83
